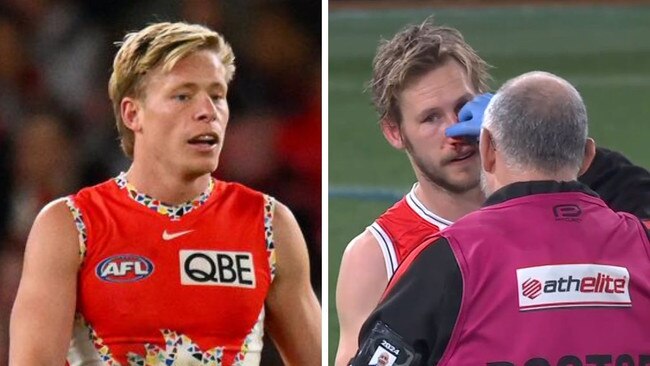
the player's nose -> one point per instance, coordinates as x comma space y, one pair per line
206, 110
451, 118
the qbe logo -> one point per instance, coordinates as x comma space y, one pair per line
217, 268
573, 285
124, 268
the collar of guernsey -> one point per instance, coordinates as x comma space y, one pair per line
174, 212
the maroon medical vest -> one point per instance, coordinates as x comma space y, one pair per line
551, 279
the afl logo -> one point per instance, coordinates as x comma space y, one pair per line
124, 268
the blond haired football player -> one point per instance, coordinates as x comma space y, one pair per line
164, 264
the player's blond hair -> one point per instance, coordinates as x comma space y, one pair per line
159, 44
414, 51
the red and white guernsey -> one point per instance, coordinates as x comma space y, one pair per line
171, 285
403, 227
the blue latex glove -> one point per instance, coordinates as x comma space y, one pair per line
470, 117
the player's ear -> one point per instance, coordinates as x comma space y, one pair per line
130, 112
590, 153
392, 132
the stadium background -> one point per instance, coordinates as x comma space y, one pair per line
603, 50
56, 123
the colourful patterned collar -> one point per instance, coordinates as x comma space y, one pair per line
173, 212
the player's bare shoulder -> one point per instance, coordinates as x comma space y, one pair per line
55, 224
282, 215
54, 237
362, 277
291, 256
286, 231
49, 272
363, 253
292, 259
294, 315
55, 210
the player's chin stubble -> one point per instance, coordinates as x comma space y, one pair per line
437, 176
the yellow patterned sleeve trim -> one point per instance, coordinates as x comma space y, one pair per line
81, 226
269, 208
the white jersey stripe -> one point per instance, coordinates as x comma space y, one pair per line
423, 212
387, 248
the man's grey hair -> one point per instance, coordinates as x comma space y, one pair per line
539, 122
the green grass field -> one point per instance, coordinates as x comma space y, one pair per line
604, 51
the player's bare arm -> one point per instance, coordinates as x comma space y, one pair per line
43, 314
293, 313
362, 280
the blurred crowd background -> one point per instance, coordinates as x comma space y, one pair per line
57, 130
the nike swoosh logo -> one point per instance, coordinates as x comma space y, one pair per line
172, 236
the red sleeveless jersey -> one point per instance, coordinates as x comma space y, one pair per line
403, 227
171, 284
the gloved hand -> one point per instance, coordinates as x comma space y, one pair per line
470, 117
